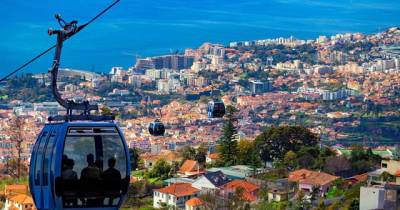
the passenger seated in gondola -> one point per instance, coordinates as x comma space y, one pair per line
91, 172
68, 172
64, 159
112, 180
70, 178
90, 182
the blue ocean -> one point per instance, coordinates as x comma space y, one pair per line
155, 27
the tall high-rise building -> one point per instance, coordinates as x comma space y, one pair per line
258, 87
176, 62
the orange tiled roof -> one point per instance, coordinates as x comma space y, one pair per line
194, 202
361, 177
397, 173
247, 186
22, 199
298, 175
311, 177
319, 179
179, 189
213, 155
16, 187
249, 197
189, 166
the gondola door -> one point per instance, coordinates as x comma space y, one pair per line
47, 178
36, 167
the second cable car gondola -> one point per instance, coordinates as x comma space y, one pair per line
156, 128
216, 109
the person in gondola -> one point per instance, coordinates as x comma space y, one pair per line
69, 173
91, 172
70, 178
112, 180
90, 179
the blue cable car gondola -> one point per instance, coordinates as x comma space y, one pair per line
156, 128
78, 161
79, 165
216, 109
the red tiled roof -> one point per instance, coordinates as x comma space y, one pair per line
311, 177
213, 155
189, 166
249, 197
298, 175
361, 177
194, 202
16, 189
179, 189
319, 179
247, 186
22, 199
397, 173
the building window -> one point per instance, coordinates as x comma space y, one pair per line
384, 165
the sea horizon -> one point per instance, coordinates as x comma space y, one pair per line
146, 29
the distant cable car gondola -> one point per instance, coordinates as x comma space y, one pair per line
156, 128
216, 109
78, 161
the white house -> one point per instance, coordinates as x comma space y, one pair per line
174, 195
372, 197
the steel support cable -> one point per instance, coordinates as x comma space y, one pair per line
54, 46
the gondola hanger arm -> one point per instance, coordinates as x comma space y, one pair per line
54, 46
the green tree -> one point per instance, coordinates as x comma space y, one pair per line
320, 206
16, 129
301, 202
275, 142
290, 160
201, 154
363, 160
161, 169
244, 150
335, 205
228, 145
134, 158
354, 204
237, 200
334, 165
188, 153
14, 169
210, 201
387, 177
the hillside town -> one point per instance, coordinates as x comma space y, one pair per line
337, 96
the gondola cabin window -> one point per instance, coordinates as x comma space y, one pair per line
93, 167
